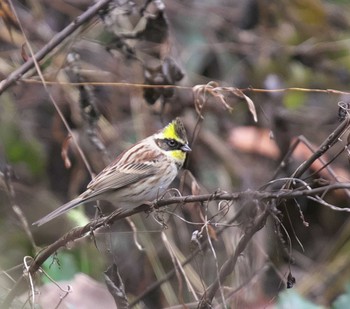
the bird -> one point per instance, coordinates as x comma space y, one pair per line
140, 174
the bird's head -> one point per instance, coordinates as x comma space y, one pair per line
172, 140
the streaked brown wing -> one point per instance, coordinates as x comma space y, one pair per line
117, 178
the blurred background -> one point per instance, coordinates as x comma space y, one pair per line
96, 78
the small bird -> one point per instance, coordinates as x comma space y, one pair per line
140, 174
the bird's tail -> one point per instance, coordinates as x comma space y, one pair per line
60, 211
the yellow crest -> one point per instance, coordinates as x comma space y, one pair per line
175, 130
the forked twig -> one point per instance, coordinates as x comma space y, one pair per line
327, 144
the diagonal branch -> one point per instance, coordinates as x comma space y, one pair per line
55, 41
327, 144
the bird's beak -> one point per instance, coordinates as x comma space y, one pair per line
186, 148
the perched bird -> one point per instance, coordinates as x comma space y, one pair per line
140, 174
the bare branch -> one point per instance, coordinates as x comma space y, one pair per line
56, 40
328, 143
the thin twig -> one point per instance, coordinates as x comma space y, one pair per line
230, 264
172, 272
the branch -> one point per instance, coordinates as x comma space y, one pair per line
328, 143
81, 232
72, 235
55, 41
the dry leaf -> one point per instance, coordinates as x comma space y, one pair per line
200, 97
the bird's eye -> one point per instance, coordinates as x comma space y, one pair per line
172, 143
